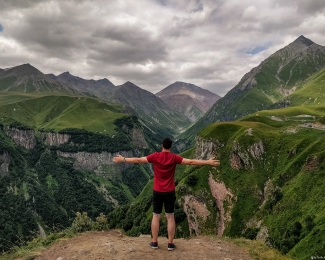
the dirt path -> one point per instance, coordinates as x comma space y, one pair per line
115, 246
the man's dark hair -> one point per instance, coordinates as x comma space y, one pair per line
167, 143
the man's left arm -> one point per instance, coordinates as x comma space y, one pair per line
119, 158
211, 162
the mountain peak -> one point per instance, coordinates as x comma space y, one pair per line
189, 99
24, 70
130, 84
302, 39
67, 73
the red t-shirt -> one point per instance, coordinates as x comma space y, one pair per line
164, 164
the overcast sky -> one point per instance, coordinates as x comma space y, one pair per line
153, 43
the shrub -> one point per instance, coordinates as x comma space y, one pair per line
251, 233
101, 223
82, 223
192, 180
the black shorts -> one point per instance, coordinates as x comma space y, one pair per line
164, 198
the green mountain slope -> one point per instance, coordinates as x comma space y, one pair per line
311, 94
269, 186
56, 150
60, 112
273, 163
275, 78
27, 79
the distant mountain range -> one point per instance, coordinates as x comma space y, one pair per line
190, 100
98, 88
183, 103
153, 112
27, 79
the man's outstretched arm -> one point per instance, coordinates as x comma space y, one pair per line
211, 162
120, 158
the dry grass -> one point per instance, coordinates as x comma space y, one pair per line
258, 250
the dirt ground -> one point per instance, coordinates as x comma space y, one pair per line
114, 245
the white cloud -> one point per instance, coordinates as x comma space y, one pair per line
154, 43
250, 13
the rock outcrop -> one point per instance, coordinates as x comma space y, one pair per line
4, 163
138, 139
25, 138
222, 194
54, 139
100, 163
241, 158
196, 213
206, 148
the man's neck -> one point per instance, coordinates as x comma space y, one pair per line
166, 150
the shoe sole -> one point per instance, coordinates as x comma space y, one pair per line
153, 247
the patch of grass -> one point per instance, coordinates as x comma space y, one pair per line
34, 248
258, 250
312, 93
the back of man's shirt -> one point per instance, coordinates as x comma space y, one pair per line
164, 164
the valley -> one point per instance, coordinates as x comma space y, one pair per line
59, 134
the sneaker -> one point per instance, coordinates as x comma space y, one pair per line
154, 245
171, 246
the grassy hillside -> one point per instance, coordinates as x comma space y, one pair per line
42, 191
312, 93
59, 112
278, 188
293, 162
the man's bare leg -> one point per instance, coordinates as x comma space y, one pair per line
171, 226
155, 227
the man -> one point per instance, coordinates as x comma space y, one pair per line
164, 163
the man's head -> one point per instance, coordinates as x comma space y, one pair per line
167, 143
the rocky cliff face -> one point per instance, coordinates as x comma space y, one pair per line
100, 163
196, 212
138, 139
241, 157
207, 148
25, 138
4, 163
224, 200
54, 139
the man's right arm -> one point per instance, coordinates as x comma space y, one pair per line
211, 162
120, 158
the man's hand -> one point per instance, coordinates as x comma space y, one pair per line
214, 162
118, 158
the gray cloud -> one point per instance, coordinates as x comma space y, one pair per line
210, 43
303, 6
